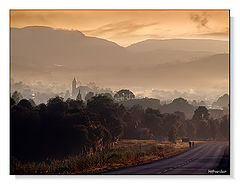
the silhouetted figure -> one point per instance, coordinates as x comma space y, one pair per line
193, 144
190, 144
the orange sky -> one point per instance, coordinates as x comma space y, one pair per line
128, 27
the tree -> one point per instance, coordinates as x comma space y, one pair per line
172, 134
74, 105
93, 86
89, 95
41, 108
224, 127
190, 128
201, 113
107, 94
56, 105
12, 101
180, 101
62, 128
32, 102
170, 120
124, 94
181, 115
107, 113
201, 121
181, 131
212, 128
25, 103
137, 113
17, 96
179, 104
153, 121
202, 131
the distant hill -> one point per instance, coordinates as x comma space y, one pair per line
167, 56
215, 65
47, 54
44, 45
215, 46
197, 74
38, 44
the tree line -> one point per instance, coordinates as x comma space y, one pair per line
60, 128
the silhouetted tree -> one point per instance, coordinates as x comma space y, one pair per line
56, 105
224, 127
201, 113
12, 101
212, 128
177, 105
107, 114
108, 95
181, 115
153, 121
25, 103
172, 134
190, 129
181, 130
74, 105
32, 102
89, 95
137, 113
17, 96
124, 94
178, 101
60, 128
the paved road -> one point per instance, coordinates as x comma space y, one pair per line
198, 160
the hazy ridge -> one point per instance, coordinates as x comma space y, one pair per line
46, 54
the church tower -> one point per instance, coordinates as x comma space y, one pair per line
79, 97
74, 87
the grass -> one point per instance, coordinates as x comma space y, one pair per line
124, 153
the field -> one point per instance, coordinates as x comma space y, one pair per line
124, 153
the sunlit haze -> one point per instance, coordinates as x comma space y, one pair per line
155, 53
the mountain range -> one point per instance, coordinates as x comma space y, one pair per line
47, 54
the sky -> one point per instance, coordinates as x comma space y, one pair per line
128, 27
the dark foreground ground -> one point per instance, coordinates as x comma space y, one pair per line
205, 158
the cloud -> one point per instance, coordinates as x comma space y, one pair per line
120, 28
200, 19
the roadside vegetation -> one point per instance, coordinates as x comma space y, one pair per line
124, 153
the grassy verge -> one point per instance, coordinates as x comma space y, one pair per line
124, 153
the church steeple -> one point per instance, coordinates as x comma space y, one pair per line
74, 87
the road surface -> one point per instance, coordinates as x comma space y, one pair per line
204, 158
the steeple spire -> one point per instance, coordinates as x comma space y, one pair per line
74, 87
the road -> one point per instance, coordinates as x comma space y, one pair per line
204, 158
